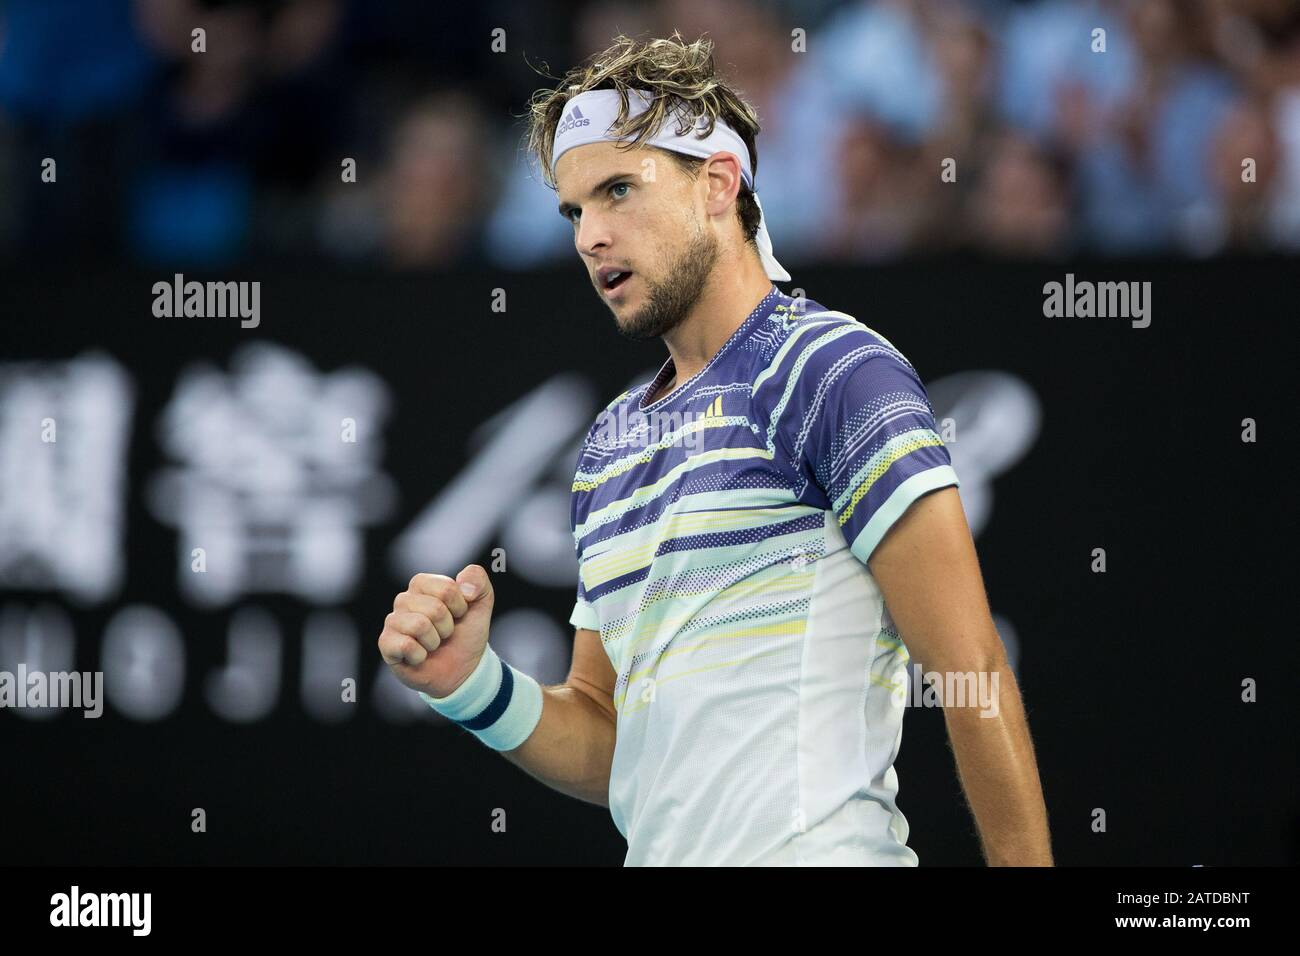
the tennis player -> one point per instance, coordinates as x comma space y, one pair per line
764, 531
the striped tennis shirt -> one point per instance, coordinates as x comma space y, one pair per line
722, 534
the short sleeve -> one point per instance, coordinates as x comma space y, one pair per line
871, 444
584, 612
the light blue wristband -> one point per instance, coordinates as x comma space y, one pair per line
499, 705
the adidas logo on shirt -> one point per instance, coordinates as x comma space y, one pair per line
573, 120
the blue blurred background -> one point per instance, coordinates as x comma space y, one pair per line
168, 157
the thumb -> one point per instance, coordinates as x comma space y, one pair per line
476, 578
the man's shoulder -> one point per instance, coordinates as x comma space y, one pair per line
810, 341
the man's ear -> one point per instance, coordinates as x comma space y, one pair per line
722, 173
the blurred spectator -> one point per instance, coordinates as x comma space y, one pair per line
1260, 39
878, 209
1286, 210
1021, 206
1050, 80
426, 205
959, 143
1143, 170
875, 55
243, 117
1247, 197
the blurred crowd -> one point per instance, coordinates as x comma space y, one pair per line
1099, 127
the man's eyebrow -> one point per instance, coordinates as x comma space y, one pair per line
596, 190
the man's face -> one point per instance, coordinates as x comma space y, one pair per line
636, 219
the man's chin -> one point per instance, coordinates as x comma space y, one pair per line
631, 323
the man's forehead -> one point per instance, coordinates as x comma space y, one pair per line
582, 167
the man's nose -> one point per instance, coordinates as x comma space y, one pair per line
593, 235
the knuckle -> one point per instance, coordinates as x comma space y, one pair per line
427, 583
390, 649
404, 622
441, 589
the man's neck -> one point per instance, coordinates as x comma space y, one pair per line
733, 291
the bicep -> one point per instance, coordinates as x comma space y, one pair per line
928, 572
591, 671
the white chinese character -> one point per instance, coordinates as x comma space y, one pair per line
64, 428
278, 472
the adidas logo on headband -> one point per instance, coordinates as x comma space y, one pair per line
572, 120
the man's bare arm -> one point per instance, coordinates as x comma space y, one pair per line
572, 747
929, 574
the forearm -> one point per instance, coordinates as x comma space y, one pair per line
999, 775
572, 747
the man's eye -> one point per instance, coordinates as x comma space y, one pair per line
573, 214
624, 186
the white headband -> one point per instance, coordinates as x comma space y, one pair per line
589, 116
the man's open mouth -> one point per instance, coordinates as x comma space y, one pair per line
613, 278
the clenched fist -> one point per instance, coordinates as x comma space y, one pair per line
437, 632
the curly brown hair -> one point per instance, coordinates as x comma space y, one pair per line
684, 84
